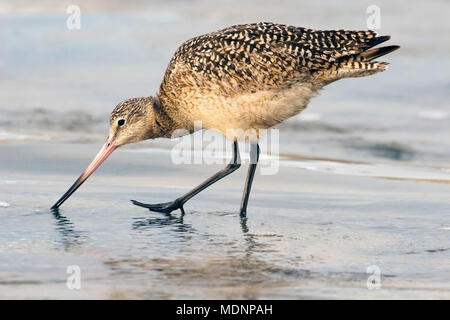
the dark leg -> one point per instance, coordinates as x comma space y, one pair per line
179, 202
254, 157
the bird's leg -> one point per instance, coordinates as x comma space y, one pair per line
254, 157
179, 202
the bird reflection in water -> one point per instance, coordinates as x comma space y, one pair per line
177, 221
166, 220
177, 224
248, 237
70, 237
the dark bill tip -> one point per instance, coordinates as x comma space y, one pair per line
101, 156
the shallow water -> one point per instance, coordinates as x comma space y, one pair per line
363, 177
309, 234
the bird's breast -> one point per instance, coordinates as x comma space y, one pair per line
244, 111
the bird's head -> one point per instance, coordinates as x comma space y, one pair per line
132, 120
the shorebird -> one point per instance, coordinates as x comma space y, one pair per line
245, 77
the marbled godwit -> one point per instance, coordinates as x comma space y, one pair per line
251, 76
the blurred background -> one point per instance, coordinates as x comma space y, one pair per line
61, 84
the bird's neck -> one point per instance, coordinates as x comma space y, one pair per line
163, 123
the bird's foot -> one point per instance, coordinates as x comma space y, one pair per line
166, 207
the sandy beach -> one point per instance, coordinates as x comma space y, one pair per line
363, 176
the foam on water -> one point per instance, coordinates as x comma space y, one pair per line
379, 170
11, 136
434, 114
14, 136
4, 204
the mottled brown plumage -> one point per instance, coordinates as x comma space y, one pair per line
255, 76
264, 56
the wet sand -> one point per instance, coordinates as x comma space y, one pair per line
308, 234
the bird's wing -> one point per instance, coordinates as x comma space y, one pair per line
261, 56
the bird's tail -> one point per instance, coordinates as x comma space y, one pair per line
363, 64
371, 54
358, 57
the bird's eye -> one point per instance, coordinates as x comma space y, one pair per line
121, 122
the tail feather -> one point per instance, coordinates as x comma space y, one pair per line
376, 41
358, 61
371, 54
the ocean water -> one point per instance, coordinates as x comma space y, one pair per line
363, 176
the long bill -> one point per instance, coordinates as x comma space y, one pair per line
104, 152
